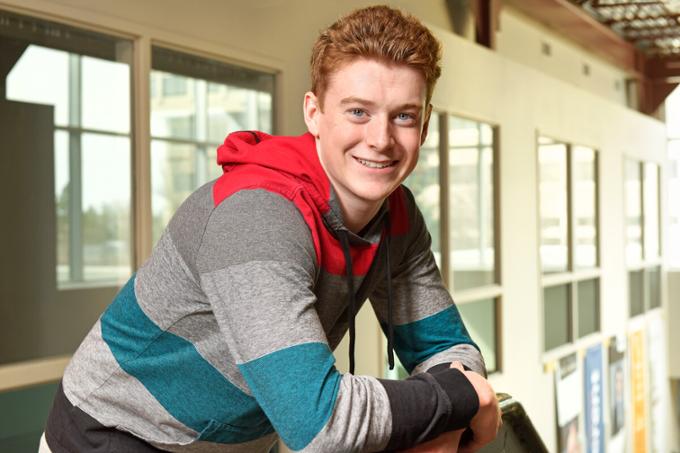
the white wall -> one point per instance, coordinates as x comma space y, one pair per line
521, 38
490, 86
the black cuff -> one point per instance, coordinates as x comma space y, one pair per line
427, 405
444, 366
461, 393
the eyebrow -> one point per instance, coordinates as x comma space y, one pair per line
357, 100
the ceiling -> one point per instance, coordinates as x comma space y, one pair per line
651, 26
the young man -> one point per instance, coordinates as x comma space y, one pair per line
223, 339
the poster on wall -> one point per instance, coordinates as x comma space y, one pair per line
593, 398
617, 394
569, 391
659, 391
637, 385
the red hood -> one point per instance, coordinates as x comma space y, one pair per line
293, 156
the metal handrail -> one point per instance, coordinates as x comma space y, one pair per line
517, 433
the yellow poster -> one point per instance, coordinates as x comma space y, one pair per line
637, 378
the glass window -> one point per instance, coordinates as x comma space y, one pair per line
585, 207
88, 85
636, 292
480, 320
633, 200
642, 235
471, 203
106, 224
424, 183
66, 125
673, 247
588, 306
552, 160
200, 102
650, 193
556, 313
654, 286
568, 204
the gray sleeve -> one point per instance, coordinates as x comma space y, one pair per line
428, 327
257, 265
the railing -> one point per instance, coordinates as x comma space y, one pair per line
517, 433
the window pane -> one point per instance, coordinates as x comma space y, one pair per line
173, 109
651, 210
61, 189
28, 80
178, 170
556, 310
588, 306
635, 292
424, 183
235, 109
633, 200
584, 207
85, 77
105, 99
195, 103
673, 247
552, 160
106, 208
480, 320
471, 203
654, 287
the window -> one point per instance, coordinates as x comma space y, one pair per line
66, 182
199, 103
454, 185
424, 183
88, 85
673, 127
568, 224
473, 277
643, 247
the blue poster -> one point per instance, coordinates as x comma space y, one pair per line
593, 399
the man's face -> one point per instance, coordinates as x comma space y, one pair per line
368, 134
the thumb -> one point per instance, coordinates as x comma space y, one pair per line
457, 365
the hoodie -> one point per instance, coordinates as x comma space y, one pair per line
223, 339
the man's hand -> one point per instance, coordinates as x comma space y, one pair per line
445, 443
486, 422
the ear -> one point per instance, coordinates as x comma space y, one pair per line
426, 124
312, 111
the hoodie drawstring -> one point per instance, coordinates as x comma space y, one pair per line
390, 324
344, 241
351, 311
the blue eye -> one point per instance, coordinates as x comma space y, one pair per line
405, 116
357, 112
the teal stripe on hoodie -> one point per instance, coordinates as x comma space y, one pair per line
182, 381
417, 341
298, 397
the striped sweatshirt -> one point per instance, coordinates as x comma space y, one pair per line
222, 340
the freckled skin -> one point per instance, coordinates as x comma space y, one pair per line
373, 112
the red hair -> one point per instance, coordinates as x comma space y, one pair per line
377, 32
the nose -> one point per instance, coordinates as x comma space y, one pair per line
379, 134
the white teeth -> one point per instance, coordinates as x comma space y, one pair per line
370, 164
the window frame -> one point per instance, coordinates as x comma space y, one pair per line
645, 265
33, 372
572, 276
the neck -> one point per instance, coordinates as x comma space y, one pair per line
357, 214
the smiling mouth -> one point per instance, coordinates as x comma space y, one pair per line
374, 164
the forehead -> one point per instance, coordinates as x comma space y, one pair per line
377, 81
